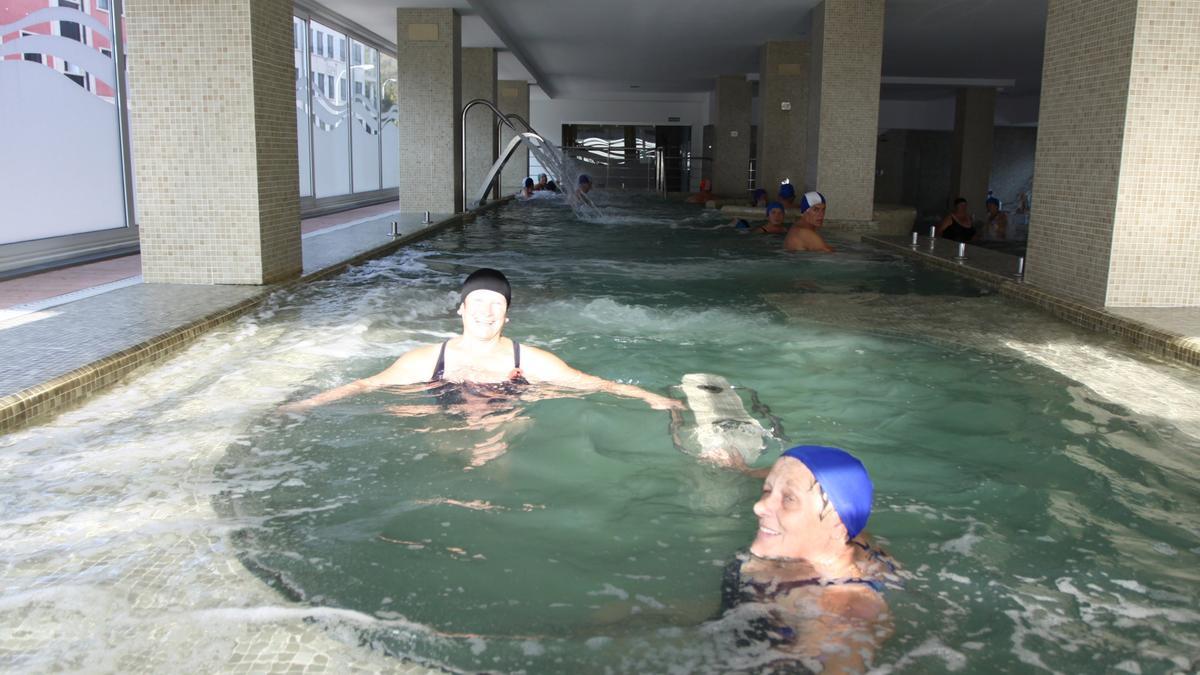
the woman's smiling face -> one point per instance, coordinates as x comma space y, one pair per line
789, 512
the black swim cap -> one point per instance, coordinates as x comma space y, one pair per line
487, 279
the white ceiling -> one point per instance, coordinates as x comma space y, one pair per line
576, 48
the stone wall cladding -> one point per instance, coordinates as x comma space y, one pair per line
1081, 124
974, 115
850, 42
782, 134
430, 103
275, 139
513, 97
731, 154
479, 81
217, 194
1156, 241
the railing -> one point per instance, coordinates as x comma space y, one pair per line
510, 120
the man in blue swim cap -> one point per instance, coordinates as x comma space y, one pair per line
803, 235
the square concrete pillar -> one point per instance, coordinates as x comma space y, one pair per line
428, 87
214, 140
845, 64
479, 81
783, 99
974, 128
514, 98
731, 137
1115, 177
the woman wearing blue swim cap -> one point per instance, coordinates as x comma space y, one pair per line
820, 584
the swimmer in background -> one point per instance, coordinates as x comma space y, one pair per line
544, 183
758, 198
816, 580
803, 236
787, 195
581, 192
959, 224
704, 195
774, 225
487, 364
526, 190
997, 220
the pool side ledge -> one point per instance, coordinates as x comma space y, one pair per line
990, 269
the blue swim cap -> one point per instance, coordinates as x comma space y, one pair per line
811, 199
771, 206
844, 480
742, 224
756, 195
992, 200
528, 182
583, 178
787, 191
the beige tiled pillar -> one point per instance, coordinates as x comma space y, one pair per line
428, 86
843, 113
213, 126
974, 127
731, 137
1115, 176
783, 98
514, 98
479, 81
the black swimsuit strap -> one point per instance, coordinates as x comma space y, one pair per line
516, 354
439, 370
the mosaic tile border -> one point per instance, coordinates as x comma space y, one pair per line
1155, 341
40, 402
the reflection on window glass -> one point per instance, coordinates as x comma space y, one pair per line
60, 140
388, 111
330, 118
364, 130
303, 128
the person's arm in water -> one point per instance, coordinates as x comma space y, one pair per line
852, 624
946, 222
412, 367
539, 365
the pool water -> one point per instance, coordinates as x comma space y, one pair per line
1037, 485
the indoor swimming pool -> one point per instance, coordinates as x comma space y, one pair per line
1037, 484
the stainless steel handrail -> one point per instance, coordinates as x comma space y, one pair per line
501, 117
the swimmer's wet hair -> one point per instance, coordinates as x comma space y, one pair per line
487, 279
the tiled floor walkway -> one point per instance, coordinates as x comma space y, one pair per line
69, 280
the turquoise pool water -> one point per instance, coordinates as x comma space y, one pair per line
1038, 486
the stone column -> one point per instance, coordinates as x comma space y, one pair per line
843, 112
479, 81
783, 97
215, 140
514, 98
1115, 178
428, 88
974, 127
731, 137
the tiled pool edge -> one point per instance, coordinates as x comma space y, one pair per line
40, 402
1161, 343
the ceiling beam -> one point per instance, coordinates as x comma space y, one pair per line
495, 21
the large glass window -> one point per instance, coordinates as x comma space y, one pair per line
303, 128
364, 131
60, 141
331, 116
388, 111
